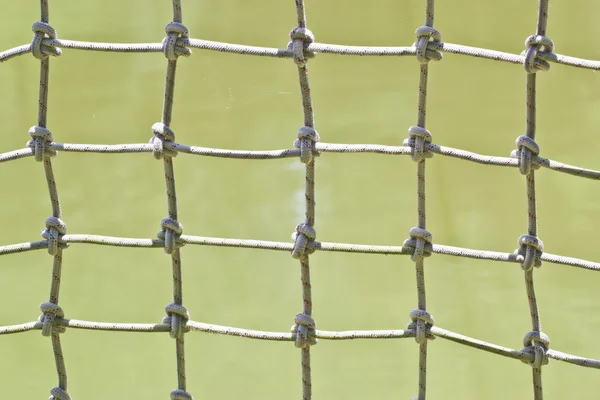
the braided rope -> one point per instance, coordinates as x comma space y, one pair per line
537, 57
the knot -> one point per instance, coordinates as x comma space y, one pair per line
527, 149
43, 31
304, 233
40, 139
536, 343
418, 138
179, 394
422, 321
301, 39
55, 228
176, 32
536, 44
57, 393
302, 34
307, 137
304, 328
162, 133
177, 317
426, 35
50, 312
531, 248
171, 231
420, 241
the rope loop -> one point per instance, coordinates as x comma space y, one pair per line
171, 231
536, 44
304, 233
177, 317
57, 393
306, 139
422, 322
420, 242
43, 31
304, 328
527, 150
531, 248
172, 45
301, 39
55, 228
418, 139
426, 35
179, 394
162, 134
51, 311
536, 343
41, 137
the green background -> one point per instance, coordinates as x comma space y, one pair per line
244, 102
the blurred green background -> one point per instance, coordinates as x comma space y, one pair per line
243, 102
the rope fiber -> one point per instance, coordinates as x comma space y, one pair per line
419, 145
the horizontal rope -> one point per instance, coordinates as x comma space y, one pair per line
287, 336
289, 153
510, 353
314, 47
14, 52
284, 246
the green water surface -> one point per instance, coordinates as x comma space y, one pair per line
253, 103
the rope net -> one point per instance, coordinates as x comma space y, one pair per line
538, 55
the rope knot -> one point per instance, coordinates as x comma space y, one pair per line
536, 44
177, 317
173, 43
57, 393
420, 242
536, 343
55, 228
418, 138
422, 321
40, 139
527, 150
301, 39
43, 31
51, 311
162, 134
179, 394
307, 137
531, 248
304, 233
304, 328
426, 35
171, 231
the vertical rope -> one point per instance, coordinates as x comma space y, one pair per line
171, 229
421, 239
305, 325
41, 137
531, 247
542, 17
